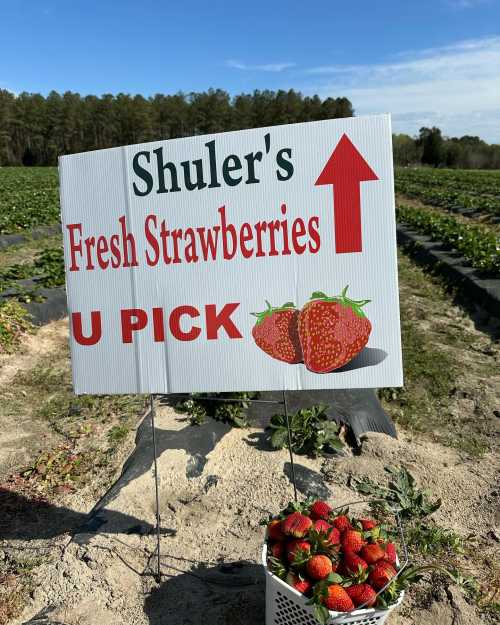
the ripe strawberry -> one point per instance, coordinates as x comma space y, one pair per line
390, 553
276, 333
342, 523
296, 524
297, 549
277, 549
352, 563
320, 510
381, 574
334, 536
299, 583
368, 524
362, 594
319, 567
372, 553
274, 530
332, 331
337, 599
352, 540
321, 526
331, 532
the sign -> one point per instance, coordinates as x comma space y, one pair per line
253, 260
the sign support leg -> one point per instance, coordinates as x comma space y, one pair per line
287, 419
155, 464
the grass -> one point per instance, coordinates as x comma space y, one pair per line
15, 322
27, 251
432, 540
83, 449
90, 428
442, 364
16, 583
47, 269
430, 544
118, 433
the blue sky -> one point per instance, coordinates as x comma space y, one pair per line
427, 62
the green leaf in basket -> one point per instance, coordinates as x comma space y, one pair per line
334, 578
321, 613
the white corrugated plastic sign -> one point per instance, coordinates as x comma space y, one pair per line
171, 246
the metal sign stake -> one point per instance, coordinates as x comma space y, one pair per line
157, 575
155, 463
287, 419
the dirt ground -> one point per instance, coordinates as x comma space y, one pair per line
20, 435
211, 506
217, 483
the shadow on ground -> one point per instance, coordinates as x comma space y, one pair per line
23, 518
310, 483
229, 594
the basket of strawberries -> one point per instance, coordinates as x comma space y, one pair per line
324, 565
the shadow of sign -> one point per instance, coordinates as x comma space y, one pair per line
310, 483
228, 594
23, 518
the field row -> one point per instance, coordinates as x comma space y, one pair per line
485, 182
452, 190
29, 197
478, 244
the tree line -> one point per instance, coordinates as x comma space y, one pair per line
431, 148
35, 130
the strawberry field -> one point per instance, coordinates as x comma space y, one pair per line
223, 477
29, 197
451, 189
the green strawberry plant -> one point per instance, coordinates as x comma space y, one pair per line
199, 407
401, 494
312, 432
478, 244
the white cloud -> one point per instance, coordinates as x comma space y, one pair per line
267, 67
456, 87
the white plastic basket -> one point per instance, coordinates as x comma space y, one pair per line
287, 606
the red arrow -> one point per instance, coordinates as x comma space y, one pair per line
345, 170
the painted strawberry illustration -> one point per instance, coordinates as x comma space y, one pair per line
332, 331
276, 332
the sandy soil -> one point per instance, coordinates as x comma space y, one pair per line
217, 483
20, 435
211, 505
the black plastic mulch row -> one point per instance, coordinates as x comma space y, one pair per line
482, 290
